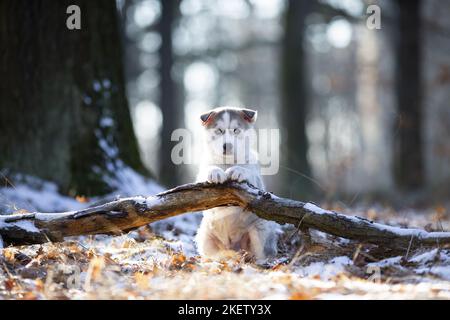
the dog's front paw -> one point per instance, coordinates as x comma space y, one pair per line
238, 174
216, 175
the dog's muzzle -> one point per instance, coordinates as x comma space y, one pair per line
227, 148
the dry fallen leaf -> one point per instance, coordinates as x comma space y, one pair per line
440, 213
82, 199
300, 295
9, 254
10, 284
95, 268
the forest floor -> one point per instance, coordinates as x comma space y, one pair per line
160, 262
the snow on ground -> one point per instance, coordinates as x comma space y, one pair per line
160, 261
35, 195
43, 197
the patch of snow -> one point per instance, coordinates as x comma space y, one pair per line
106, 83
249, 270
22, 224
96, 86
316, 283
120, 177
326, 270
127, 250
440, 271
1, 243
401, 231
394, 261
319, 234
139, 199
312, 207
152, 201
52, 216
435, 262
411, 232
425, 257
180, 228
106, 122
128, 182
44, 197
110, 150
25, 225
87, 100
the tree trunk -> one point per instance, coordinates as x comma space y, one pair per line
63, 95
408, 153
172, 113
295, 99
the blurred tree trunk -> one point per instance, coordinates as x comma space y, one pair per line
295, 100
131, 51
172, 113
64, 115
408, 153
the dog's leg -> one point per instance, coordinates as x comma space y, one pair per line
240, 174
207, 243
271, 243
257, 239
263, 241
212, 174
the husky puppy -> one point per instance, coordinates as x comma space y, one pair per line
228, 156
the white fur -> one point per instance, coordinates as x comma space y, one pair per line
232, 228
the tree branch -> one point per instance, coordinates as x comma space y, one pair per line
130, 213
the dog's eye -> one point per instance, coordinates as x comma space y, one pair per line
219, 131
236, 131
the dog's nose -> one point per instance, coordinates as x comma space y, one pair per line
227, 147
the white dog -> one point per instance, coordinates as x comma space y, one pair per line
228, 156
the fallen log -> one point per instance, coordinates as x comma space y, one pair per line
130, 213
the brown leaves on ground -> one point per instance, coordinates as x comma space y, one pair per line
146, 266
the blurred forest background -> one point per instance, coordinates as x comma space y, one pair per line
363, 113
86, 116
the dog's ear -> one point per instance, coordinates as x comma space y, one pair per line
249, 115
206, 117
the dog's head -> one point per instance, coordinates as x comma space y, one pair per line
228, 131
